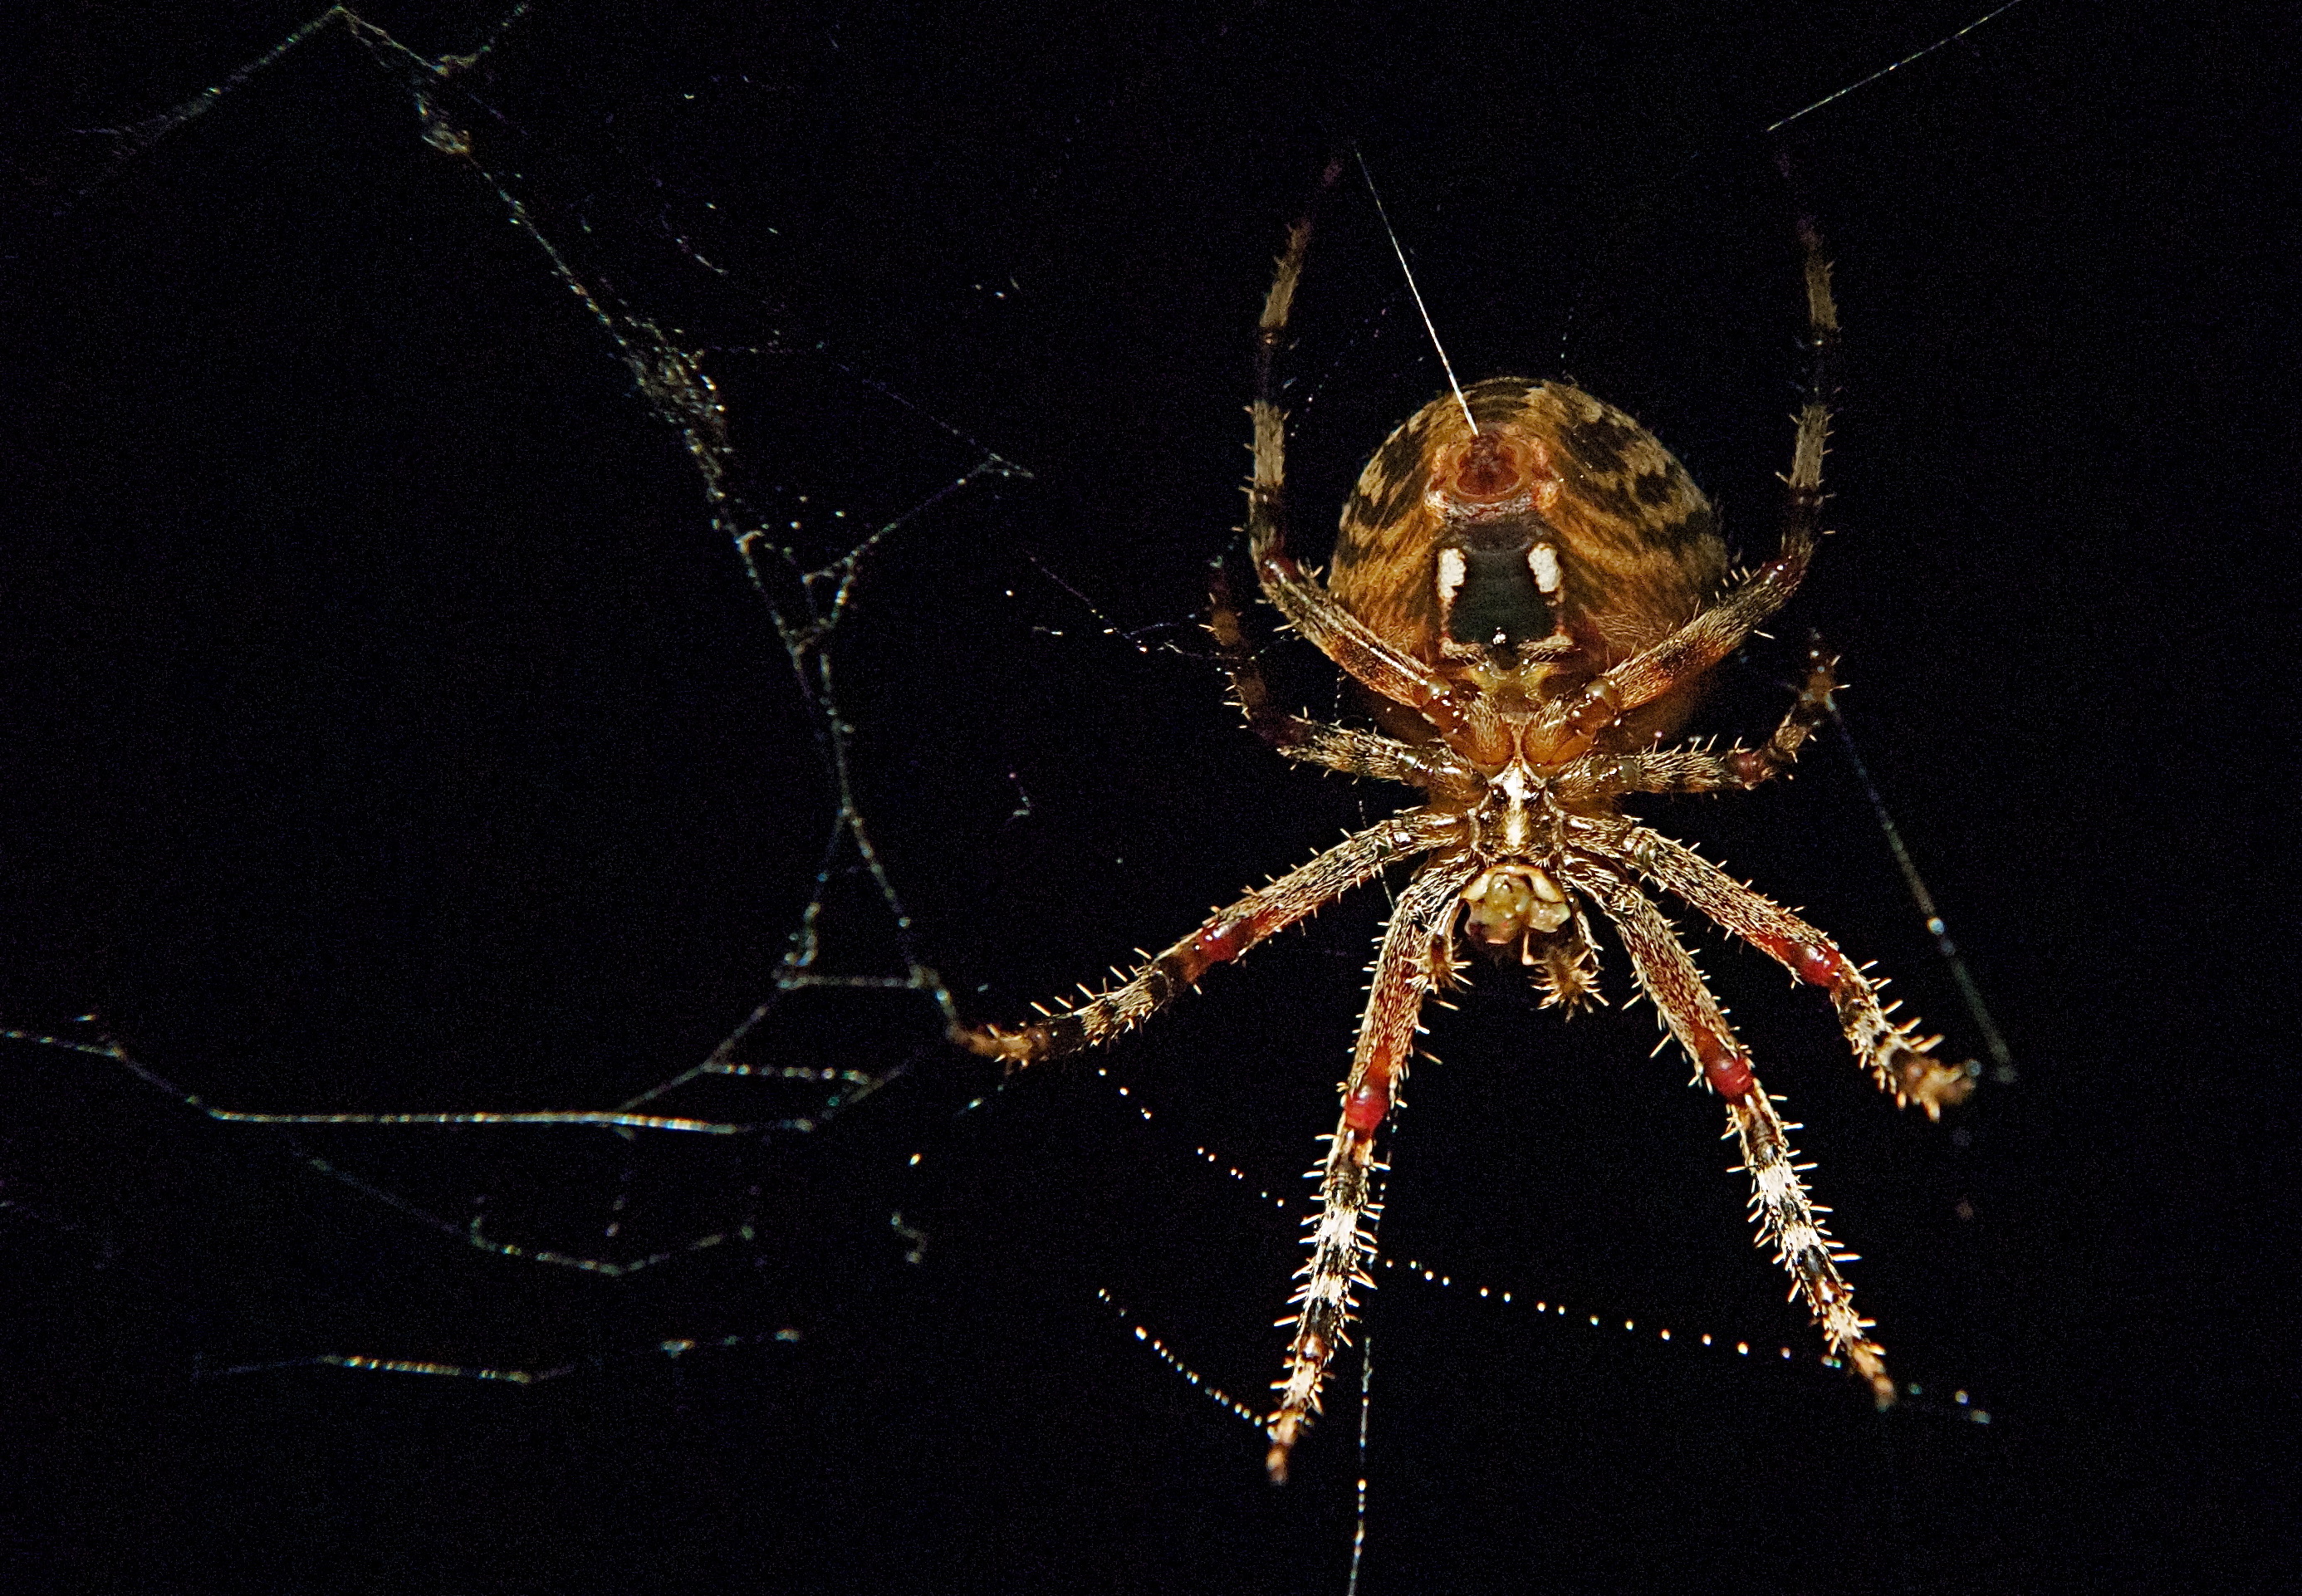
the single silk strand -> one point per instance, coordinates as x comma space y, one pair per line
1421, 309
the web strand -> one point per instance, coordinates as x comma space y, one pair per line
807, 603
1894, 66
1421, 309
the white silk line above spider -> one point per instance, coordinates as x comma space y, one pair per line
1898, 65
1399, 250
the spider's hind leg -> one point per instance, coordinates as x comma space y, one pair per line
1416, 947
1786, 1215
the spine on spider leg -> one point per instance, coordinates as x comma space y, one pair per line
1788, 1218
1897, 1056
1414, 954
1226, 936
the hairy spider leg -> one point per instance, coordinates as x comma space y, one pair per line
1309, 608
1225, 936
1786, 1215
1413, 957
1437, 769
1897, 1058
1719, 630
1698, 769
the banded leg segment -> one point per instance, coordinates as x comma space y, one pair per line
1314, 611
1715, 633
1697, 770
1786, 1215
1227, 934
1414, 958
1897, 1057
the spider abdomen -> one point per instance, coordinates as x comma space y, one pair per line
1561, 534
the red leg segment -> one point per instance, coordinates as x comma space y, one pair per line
1229, 934
1786, 1215
1414, 956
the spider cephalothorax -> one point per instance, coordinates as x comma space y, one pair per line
1529, 590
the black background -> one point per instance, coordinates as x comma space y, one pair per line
386, 728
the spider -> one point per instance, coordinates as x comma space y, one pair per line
1531, 590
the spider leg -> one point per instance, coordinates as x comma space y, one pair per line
1786, 1214
1227, 934
1697, 770
1897, 1056
1719, 630
1436, 769
1310, 609
1412, 958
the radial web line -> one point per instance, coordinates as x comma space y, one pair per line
2001, 1058
1896, 65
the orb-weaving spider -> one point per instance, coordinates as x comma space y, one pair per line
1532, 589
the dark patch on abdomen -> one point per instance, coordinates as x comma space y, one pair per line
1498, 595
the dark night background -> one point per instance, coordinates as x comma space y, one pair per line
386, 728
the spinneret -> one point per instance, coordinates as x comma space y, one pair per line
1528, 591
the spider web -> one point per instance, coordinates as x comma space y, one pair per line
793, 700
848, 1004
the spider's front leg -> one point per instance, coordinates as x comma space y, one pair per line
1786, 1215
1414, 957
1719, 630
1309, 608
1227, 934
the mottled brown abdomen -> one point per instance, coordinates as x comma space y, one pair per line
1637, 546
